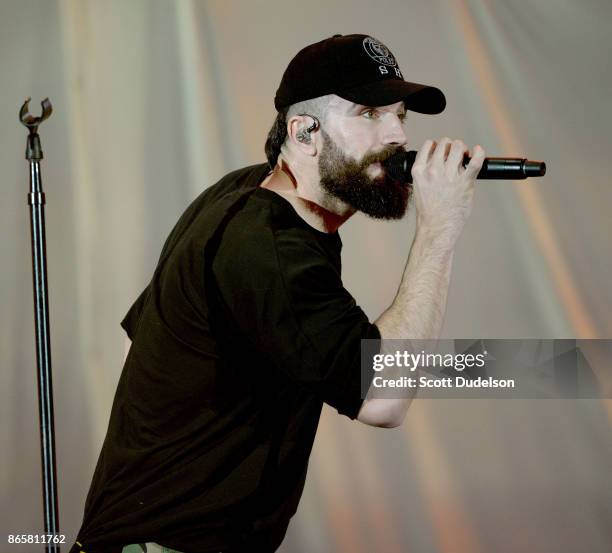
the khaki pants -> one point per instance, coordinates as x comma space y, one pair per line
147, 548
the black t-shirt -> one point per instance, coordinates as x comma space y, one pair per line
243, 332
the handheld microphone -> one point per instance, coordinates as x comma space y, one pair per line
509, 168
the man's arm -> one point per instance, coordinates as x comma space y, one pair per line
443, 193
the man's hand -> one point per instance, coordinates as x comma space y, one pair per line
443, 189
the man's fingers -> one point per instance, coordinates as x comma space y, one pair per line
439, 156
475, 164
424, 153
455, 157
448, 154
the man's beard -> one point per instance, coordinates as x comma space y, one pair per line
381, 197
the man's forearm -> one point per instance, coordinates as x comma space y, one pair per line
417, 312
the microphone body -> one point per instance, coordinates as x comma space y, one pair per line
399, 167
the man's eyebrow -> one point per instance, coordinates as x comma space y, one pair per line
357, 107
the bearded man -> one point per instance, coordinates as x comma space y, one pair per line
245, 329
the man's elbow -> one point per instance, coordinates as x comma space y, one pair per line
390, 423
382, 413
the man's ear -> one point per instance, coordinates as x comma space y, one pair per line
302, 131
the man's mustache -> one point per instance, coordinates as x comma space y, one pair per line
381, 156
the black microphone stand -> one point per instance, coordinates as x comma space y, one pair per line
36, 200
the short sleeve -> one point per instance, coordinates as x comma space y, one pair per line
286, 295
132, 318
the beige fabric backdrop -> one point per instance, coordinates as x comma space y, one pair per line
154, 100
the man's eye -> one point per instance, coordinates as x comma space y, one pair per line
370, 114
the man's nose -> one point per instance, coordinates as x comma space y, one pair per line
393, 130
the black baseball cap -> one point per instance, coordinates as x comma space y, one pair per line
358, 68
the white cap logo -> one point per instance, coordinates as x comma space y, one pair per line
378, 51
